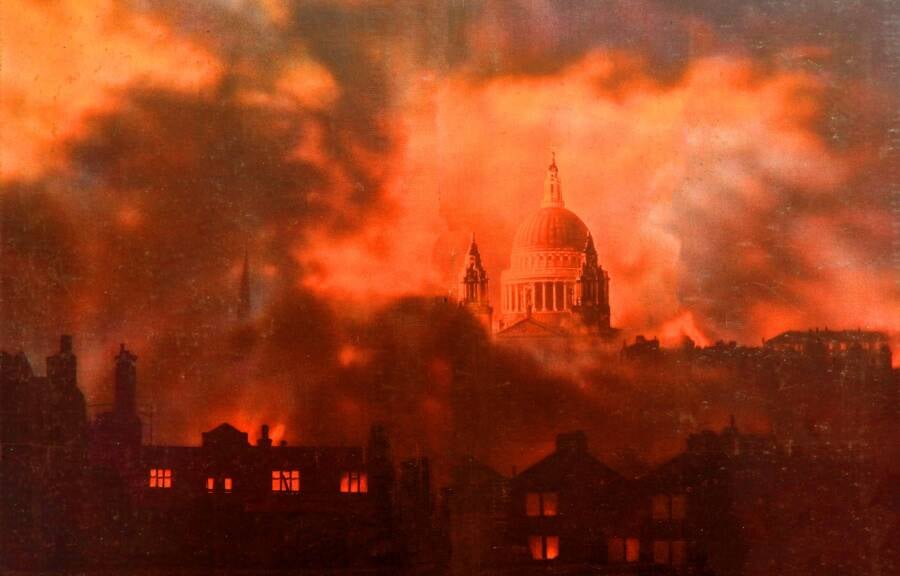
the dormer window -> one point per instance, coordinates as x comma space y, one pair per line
160, 477
354, 483
541, 504
286, 481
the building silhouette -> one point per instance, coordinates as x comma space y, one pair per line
80, 495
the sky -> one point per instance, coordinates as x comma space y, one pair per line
733, 161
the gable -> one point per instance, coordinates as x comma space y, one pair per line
528, 327
225, 435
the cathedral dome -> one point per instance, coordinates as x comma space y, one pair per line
551, 228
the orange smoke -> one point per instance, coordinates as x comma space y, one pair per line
65, 60
676, 181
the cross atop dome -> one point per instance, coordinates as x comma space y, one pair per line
552, 188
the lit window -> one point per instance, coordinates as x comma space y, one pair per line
660, 507
632, 550
285, 480
160, 478
679, 507
210, 484
544, 547
616, 550
661, 551
679, 552
541, 504
355, 483
227, 483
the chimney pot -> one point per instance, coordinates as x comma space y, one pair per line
264, 439
65, 343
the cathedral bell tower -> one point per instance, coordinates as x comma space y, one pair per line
592, 289
473, 287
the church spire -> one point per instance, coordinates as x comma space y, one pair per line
552, 189
244, 303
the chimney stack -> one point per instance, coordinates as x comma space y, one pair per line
264, 439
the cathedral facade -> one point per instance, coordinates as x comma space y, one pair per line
554, 285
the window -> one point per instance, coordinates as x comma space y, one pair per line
544, 547
211, 485
660, 507
615, 550
541, 504
679, 553
632, 550
160, 478
285, 480
661, 551
679, 507
355, 483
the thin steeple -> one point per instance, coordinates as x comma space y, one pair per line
244, 303
552, 188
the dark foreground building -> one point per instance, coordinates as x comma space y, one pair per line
90, 496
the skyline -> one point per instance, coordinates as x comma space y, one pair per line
734, 188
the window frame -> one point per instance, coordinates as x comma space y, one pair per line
161, 478
354, 482
541, 543
547, 504
288, 481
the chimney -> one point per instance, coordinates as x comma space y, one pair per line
126, 382
572, 442
264, 439
65, 344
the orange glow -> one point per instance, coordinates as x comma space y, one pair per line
543, 547
549, 503
160, 478
719, 143
61, 65
552, 547
350, 355
632, 550
354, 483
227, 484
210, 484
129, 217
286, 481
